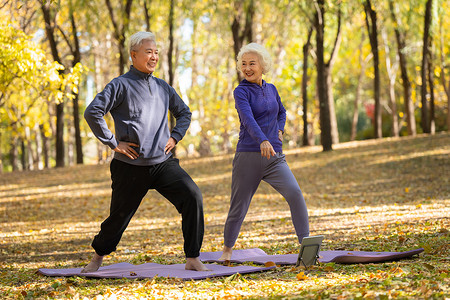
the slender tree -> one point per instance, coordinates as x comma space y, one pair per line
51, 37
443, 65
371, 23
120, 29
425, 118
76, 53
407, 91
363, 61
306, 50
322, 88
148, 15
432, 123
242, 32
392, 69
328, 70
170, 58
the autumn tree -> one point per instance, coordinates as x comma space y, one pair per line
307, 141
120, 20
391, 70
200, 41
401, 50
443, 63
371, 23
73, 43
28, 84
241, 26
363, 62
170, 54
322, 83
49, 15
426, 72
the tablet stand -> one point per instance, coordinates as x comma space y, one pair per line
309, 251
301, 260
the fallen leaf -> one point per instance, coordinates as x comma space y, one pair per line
270, 264
301, 276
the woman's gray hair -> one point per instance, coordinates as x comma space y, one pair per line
137, 39
264, 57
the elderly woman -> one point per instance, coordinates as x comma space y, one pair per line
259, 153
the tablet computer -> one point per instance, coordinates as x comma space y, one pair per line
309, 250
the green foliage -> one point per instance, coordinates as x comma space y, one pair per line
30, 83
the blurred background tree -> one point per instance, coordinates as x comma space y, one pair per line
57, 54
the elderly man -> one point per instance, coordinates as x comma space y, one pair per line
139, 104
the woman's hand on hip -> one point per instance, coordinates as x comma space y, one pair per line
170, 145
267, 149
127, 149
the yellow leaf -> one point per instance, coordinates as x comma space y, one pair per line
301, 276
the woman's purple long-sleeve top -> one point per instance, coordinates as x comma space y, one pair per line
261, 115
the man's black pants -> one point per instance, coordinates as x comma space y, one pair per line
130, 184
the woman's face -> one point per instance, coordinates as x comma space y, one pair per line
251, 68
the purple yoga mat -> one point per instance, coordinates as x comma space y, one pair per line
149, 270
258, 256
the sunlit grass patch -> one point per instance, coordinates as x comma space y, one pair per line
383, 195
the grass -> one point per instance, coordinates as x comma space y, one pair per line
376, 195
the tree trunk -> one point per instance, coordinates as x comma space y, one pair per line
239, 35
363, 63
407, 93
371, 23
425, 121
100, 149
322, 89
332, 110
392, 74
50, 33
432, 123
60, 135
170, 61
23, 159
120, 31
30, 158
76, 110
14, 153
328, 72
70, 145
38, 141
306, 49
147, 5
448, 105
45, 147
443, 77
1, 154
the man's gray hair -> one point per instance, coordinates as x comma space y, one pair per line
137, 39
264, 57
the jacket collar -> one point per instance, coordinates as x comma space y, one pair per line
245, 82
139, 73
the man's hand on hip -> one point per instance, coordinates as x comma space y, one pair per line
127, 149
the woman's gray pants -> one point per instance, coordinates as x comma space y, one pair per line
249, 168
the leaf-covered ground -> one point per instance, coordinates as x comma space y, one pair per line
383, 195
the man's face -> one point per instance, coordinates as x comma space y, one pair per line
146, 57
